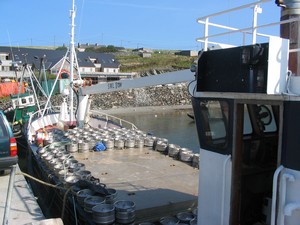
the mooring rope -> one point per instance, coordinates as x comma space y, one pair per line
53, 186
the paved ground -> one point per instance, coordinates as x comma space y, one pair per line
24, 208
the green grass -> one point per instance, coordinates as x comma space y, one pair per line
135, 63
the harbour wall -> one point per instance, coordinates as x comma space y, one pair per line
162, 95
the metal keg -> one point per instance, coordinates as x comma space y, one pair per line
109, 143
44, 155
193, 221
91, 201
149, 141
59, 166
139, 142
119, 143
81, 166
159, 141
185, 217
64, 156
48, 158
169, 220
72, 147
84, 174
82, 194
61, 174
185, 155
58, 154
104, 214
42, 151
92, 143
73, 168
83, 146
173, 150
54, 151
195, 160
111, 197
161, 146
52, 163
146, 223
129, 143
71, 180
125, 212
195, 211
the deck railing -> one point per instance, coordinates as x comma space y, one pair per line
111, 118
252, 30
106, 117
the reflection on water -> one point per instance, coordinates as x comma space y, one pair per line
176, 126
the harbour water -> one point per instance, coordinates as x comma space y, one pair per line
176, 126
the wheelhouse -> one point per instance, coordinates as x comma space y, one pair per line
247, 128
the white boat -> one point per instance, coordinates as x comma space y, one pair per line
141, 178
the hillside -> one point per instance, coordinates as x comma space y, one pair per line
157, 62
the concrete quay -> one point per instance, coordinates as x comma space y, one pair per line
24, 207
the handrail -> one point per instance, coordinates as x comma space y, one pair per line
233, 9
121, 122
274, 191
252, 30
106, 116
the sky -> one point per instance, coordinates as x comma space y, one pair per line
155, 24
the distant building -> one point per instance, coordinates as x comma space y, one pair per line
12, 59
190, 53
144, 52
82, 47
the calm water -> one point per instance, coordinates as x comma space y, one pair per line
176, 126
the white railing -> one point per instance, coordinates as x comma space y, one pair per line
119, 121
106, 117
252, 30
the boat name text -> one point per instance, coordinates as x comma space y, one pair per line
115, 85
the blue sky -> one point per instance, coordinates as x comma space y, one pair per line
160, 24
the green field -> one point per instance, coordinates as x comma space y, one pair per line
158, 61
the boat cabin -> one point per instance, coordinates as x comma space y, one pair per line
248, 130
246, 103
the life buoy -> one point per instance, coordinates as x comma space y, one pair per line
64, 74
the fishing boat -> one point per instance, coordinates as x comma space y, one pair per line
102, 169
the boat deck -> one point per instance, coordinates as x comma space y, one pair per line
156, 183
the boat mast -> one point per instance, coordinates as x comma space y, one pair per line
72, 52
291, 9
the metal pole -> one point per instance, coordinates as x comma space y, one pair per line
72, 51
206, 34
254, 29
9, 194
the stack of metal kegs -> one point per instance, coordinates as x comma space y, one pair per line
180, 218
61, 163
106, 209
84, 140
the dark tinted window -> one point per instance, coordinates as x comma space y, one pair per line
3, 130
212, 123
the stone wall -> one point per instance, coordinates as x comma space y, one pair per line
161, 95
166, 95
